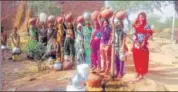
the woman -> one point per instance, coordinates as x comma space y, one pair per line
105, 46
15, 43
69, 50
60, 41
52, 43
87, 31
95, 47
79, 44
42, 34
3, 42
120, 48
140, 49
33, 32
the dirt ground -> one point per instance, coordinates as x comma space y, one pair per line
163, 70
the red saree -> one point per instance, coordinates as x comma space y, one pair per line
141, 54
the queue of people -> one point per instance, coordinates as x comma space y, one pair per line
90, 42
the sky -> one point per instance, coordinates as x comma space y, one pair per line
167, 12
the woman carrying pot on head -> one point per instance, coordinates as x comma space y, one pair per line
95, 43
42, 34
79, 44
87, 31
52, 43
60, 39
105, 46
120, 47
15, 43
140, 49
69, 50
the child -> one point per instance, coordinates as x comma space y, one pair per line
15, 43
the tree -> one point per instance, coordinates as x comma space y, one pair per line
47, 7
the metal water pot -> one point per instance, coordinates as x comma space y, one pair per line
86, 16
3, 47
57, 66
16, 50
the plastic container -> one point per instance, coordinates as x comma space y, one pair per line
78, 81
43, 17
83, 70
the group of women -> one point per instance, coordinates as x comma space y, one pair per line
92, 44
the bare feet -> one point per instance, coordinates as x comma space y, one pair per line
119, 77
140, 77
93, 68
137, 75
102, 71
98, 70
136, 79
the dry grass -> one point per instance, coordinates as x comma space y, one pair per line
32, 69
116, 86
164, 33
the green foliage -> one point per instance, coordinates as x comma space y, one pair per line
47, 7
36, 49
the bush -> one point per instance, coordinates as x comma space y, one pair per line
35, 49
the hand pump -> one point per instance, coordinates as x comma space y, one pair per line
113, 47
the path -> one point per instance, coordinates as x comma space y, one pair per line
163, 66
163, 70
